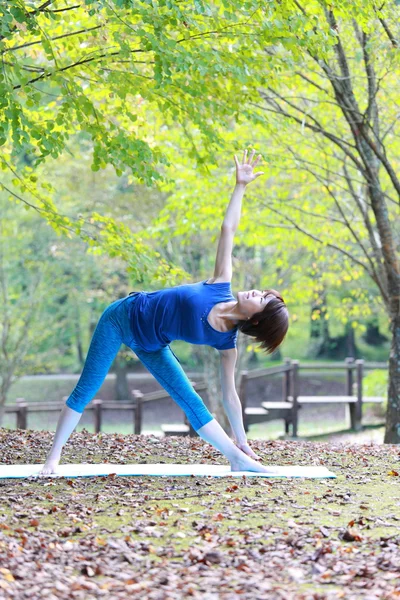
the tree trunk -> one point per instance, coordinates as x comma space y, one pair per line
2, 403
373, 336
197, 356
320, 340
392, 431
319, 327
212, 374
121, 382
351, 349
6, 383
78, 338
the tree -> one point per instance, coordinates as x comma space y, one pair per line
329, 120
30, 290
357, 145
283, 67
93, 70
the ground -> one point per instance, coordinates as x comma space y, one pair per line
206, 538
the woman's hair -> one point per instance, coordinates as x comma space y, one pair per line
269, 326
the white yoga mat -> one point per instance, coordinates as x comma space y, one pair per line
160, 470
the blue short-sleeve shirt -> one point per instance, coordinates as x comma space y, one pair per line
180, 313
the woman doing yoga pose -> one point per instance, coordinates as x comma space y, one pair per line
199, 313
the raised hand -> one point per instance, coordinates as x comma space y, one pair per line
244, 171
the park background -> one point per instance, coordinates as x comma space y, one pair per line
119, 120
118, 134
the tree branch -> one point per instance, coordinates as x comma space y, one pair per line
375, 275
108, 55
342, 144
319, 87
56, 10
344, 93
58, 37
364, 213
389, 34
315, 238
41, 7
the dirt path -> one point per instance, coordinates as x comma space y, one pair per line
374, 436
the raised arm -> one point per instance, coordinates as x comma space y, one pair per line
223, 272
244, 175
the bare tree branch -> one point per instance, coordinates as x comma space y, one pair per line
342, 144
41, 7
385, 26
364, 213
345, 92
310, 81
375, 276
338, 248
371, 113
382, 285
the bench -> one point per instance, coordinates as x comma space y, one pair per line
175, 429
255, 414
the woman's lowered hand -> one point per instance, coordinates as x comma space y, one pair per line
244, 447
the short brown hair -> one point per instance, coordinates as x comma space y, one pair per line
268, 327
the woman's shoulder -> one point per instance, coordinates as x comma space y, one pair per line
216, 280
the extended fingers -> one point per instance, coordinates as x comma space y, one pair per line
259, 157
248, 160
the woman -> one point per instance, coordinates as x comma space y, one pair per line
200, 313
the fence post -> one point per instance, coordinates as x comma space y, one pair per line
356, 408
286, 381
349, 376
242, 397
295, 393
137, 414
286, 389
97, 405
349, 382
22, 411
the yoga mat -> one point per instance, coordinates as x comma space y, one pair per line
160, 470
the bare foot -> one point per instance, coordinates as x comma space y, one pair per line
245, 463
49, 467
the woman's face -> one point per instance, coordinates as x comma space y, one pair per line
253, 301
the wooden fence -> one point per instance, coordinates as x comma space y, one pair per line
287, 408
21, 408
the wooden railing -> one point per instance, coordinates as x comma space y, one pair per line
287, 409
22, 408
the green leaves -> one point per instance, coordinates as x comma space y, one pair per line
159, 50
112, 74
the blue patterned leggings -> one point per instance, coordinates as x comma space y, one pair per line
111, 331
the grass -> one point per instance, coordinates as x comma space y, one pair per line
178, 537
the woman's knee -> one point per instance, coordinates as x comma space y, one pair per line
77, 405
201, 420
